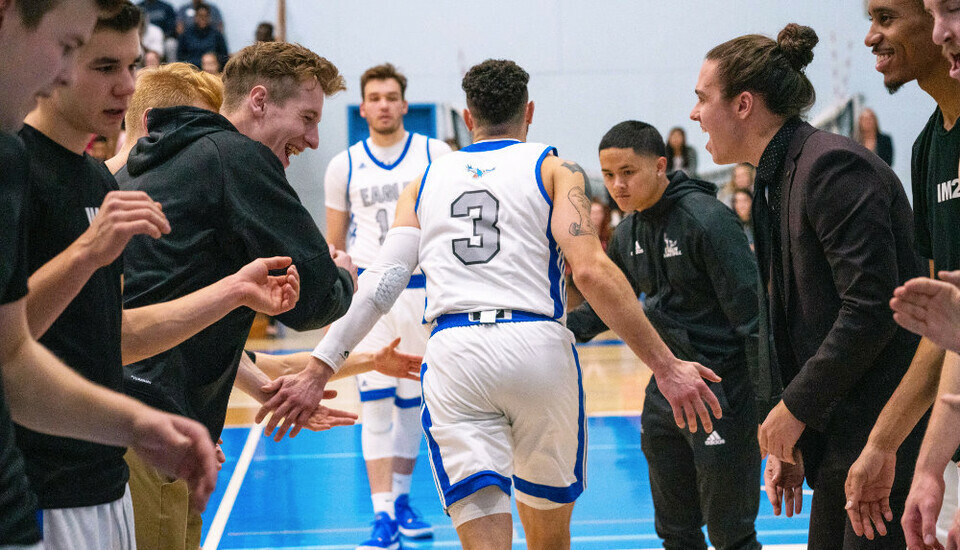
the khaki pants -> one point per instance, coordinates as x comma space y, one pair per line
161, 509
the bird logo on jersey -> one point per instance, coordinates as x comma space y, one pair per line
479, 172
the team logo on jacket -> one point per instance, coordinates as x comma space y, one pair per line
479, 172
637, 249
91, 212
670, 248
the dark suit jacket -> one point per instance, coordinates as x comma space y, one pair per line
847, 234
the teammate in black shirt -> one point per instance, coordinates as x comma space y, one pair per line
76, 291
900, 34
38, 41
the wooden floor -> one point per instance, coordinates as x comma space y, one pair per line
614, 379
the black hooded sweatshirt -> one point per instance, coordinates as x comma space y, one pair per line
689, 255
228, 202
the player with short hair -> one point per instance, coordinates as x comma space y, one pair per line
503, 400
221, 181
362, 186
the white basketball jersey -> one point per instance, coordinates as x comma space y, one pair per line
373, 189
485, 238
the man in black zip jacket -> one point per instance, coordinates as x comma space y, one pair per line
688, 253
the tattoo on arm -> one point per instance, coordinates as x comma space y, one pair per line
582, 204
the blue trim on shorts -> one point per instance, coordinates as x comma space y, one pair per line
564, 495
373, 395
407, 403
417, 280
469, 485
40, 521
451, 493
433, 450
451, 320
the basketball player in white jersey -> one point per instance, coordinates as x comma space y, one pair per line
490, 226
362, 186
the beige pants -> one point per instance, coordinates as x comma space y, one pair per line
161, 509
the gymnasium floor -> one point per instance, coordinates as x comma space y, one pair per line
311, 492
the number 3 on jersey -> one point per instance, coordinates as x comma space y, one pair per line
484, 244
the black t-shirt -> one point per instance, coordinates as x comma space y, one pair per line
18, 524
936, 193
66, 191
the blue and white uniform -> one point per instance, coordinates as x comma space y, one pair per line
503, 395
366, 181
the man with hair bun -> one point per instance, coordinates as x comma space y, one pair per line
834, 238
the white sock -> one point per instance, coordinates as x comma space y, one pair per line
401, 484
383, 502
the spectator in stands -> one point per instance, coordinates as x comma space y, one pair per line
680, 156
742, 204
151, 36
264, 32
187, 13
868, 134
201, 38
162, 15
210, 63
740, 178
602, 220
151, 59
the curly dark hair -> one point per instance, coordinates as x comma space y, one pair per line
496, 92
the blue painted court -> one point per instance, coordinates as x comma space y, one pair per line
311, 493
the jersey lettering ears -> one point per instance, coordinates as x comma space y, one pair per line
484, 244
376, 194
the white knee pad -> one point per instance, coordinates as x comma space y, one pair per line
407, 433
537, 502
486, 502
376, 432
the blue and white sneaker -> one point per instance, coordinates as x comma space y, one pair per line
385, 534
410, 522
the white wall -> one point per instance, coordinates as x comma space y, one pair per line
592, 64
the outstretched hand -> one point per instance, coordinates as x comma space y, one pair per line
682, 385
266, 293
393, 363
295, 398
868, 487
931, 308
783, 483
920, 512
